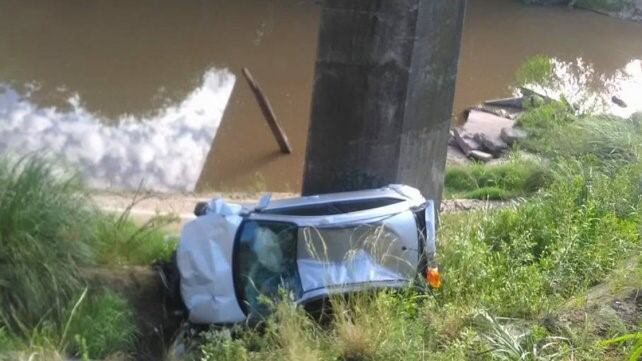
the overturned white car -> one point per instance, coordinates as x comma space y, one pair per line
230, 257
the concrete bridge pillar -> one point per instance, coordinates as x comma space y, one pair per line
383, 94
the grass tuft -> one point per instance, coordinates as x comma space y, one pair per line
122, 241
45, 235
103, 326
513, 178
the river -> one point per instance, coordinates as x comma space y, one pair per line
153, 91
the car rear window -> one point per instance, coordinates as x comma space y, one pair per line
332, 208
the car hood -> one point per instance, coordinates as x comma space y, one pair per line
204, 259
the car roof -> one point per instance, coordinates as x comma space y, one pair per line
394, 191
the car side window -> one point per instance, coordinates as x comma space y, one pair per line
264, 262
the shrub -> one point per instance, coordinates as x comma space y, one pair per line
45, 234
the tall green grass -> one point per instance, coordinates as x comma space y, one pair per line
122, 241
96, 325
45, 236
521, 261
513, 178
49, 232
103, 326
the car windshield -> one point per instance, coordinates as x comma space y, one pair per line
265, 262
381, 251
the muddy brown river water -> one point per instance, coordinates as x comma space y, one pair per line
153, 89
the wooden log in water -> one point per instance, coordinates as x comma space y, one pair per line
268, 113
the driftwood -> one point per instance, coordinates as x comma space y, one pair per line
268, 113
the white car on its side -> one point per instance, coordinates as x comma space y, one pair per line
230, 257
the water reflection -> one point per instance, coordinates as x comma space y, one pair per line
630, 89
592, 92
166, 151
135, 60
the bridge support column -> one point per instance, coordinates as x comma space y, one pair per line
383, 94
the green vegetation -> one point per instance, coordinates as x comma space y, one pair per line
103, 326
513, 178
45, 233
535, 70
635, 337
122, 241
95, 326
525, 260
49, 232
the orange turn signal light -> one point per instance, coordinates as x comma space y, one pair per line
433, 277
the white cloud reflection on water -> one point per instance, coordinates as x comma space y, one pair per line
591, 92
166, 151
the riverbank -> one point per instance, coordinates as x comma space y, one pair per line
181, 205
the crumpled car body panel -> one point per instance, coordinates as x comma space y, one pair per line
313, 246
